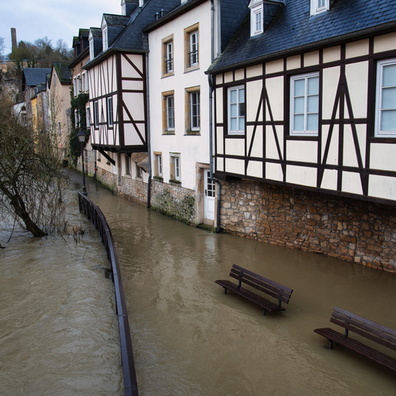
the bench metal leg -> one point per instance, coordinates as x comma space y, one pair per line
331, 344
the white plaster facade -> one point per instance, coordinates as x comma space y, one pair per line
192, 147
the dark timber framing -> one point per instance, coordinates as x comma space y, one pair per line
342, 118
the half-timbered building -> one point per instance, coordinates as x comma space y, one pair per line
305, 127
183, 44
80, 106
118, 96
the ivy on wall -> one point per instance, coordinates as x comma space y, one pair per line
78, 105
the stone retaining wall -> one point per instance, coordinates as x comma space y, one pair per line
130, 188
174, 201
347, 229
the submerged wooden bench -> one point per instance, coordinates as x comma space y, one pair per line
365, 328
257, 282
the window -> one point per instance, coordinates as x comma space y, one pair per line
91, 46
96, 114
318, 6
256, 17
127, 165
85, 82
88, 117
193, 50
77, 85
76, 118
169, 110
193, 118
175, 167
236, 110
105, 40
110, 119
192, 47
168, 57
304, 106
385, 121
158, 165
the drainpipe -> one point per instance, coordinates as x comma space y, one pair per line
148, 134
211, 134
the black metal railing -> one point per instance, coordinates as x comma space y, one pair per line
96, 216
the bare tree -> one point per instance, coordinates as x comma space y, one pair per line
30, 178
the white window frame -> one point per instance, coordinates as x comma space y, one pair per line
175, 167
195, 110
91, 46
193, 50
85, 86
380, 88
319, 6
306, 96
88, 116
170, 112
105, 37
76, 118
158, 165
110, 111
241, 110
96, 113
169, 61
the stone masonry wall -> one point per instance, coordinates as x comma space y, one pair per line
347, 229
130, 188
174, 201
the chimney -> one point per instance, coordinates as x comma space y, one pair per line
13, 38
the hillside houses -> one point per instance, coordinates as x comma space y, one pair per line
273, 120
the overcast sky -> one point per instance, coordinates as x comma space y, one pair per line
55, 19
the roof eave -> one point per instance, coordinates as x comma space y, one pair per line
384, 28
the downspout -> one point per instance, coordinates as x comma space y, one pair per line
211, 134
148, 134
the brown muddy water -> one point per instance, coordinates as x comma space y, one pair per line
58, 328
189, 338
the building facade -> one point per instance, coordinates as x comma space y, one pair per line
306, 127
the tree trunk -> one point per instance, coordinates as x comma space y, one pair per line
20, 209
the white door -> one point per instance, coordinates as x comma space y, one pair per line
210, 190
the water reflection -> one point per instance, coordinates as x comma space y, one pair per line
189, 338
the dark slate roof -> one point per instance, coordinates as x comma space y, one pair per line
232, 14
35, 76
63, 72
292, 29
133, 37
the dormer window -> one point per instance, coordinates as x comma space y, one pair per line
105, 39
91, 46
256, 17
318, 6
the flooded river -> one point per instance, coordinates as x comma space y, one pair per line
189, 338
58, 328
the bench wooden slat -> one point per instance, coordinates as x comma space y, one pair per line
363, 327
266, 286
358, 347
262, 302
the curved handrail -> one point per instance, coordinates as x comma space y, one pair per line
96, 216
